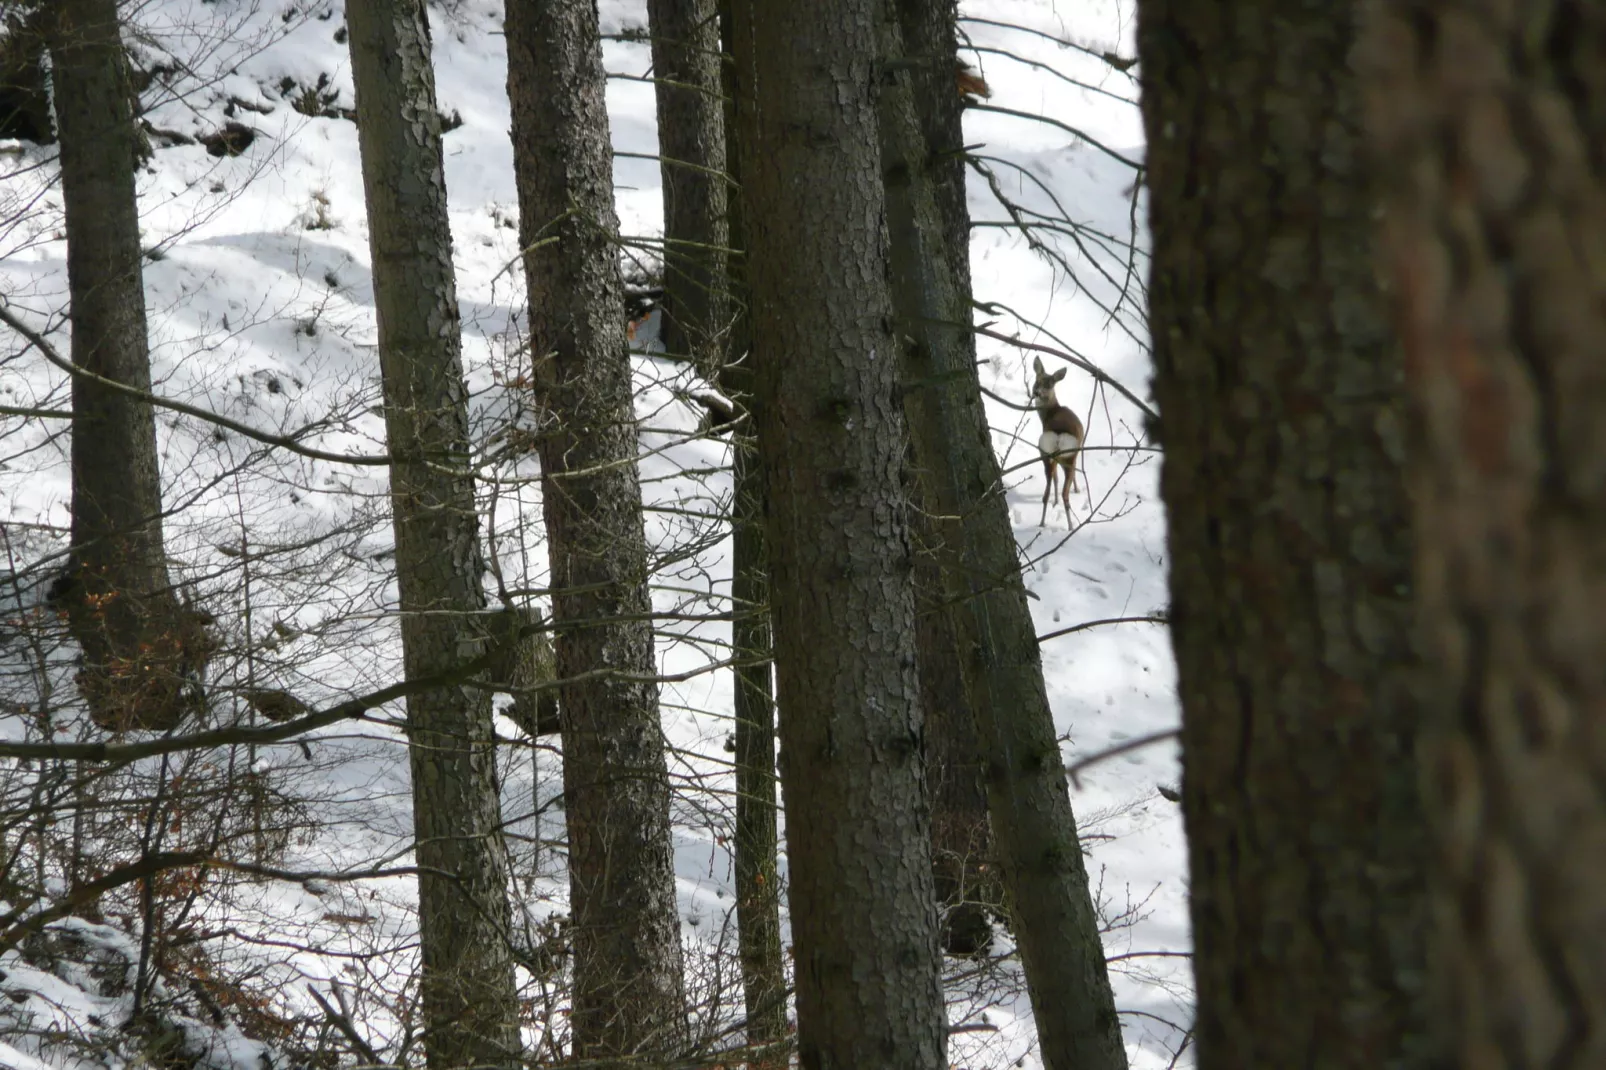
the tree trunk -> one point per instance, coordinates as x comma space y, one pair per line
1033, 824
121, 605
691, 147
628, 994
1489, 121
930, 43
24, 79
831, 440
967, 893
1281, 399
469, 1002
758, 885
961, 837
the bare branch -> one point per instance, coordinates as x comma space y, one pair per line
288, 442
1152, 618
1081, 362
1076, 768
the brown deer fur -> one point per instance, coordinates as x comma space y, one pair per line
1061, 440
972, 86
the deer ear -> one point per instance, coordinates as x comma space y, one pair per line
1037, 364
1057, 376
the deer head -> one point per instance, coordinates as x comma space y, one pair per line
1043, 386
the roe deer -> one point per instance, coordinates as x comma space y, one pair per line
1060, 441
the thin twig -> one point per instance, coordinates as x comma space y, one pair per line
1075, 769
288, 442
341, 1020
1152, 618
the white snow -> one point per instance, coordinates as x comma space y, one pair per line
261, 310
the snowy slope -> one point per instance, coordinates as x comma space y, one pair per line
261, 309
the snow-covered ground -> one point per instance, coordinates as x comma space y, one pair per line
261, 310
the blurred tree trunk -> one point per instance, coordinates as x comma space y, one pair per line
1033, 825
121, 605
24, 77
628, 995
758, 886
691, 147
1489, 122
1280, 393
831, 439
470, 1006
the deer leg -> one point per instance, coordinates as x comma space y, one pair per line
1048, 491
1065, 487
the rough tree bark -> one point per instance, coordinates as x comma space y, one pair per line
961, 847
691, 148
469, 1002
1489, 121
1033, 825
121, 606
702, 322
831, 441
758, 886
930, 43
967, 887
628, 994
1280, 396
